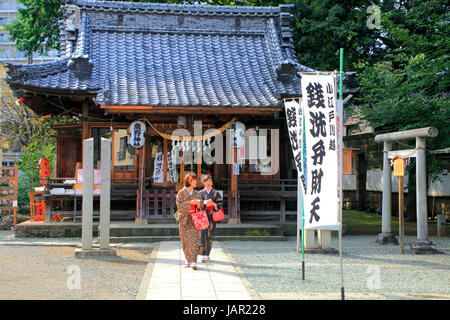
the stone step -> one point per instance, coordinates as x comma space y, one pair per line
129, 229
177, 238
156, 230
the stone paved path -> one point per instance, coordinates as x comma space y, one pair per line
214, 280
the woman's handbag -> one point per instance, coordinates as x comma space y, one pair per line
200, 220
192, 208
218, 215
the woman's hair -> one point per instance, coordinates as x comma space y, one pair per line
189, 178
207, 177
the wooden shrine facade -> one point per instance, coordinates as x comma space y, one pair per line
170, 66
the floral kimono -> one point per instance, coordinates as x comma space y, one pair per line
207, 235
189, 236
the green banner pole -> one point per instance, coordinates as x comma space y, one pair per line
341, 120
303, 198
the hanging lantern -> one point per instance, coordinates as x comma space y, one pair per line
137, 134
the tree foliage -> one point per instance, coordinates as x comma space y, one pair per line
36, 26
403, 64
321, 27
408, 88
18, 122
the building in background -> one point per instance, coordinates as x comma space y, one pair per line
8, 51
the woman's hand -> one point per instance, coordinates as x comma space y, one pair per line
194, 202
210, 203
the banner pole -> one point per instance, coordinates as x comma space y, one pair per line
301, 191
303, 239
340, 119
298, 212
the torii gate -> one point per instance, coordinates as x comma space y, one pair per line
386, 236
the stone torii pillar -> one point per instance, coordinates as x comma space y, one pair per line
105, 194
88, 186
386, 235
86, 250
422, 243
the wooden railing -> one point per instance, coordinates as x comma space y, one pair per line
266, 190
270, 189
161, 204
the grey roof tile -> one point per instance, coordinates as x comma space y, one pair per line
211, 56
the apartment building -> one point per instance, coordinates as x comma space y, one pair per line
8, 52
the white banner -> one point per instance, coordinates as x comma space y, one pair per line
294, 119
320, 112
158, 168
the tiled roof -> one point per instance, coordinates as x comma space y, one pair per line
171, 55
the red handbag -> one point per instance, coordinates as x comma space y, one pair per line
192, 208
200, 220
218, 215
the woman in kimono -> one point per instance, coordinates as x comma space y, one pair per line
189, 236
213, 202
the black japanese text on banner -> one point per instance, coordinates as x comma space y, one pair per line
294, 119
319, 105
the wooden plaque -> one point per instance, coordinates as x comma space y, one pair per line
399, 167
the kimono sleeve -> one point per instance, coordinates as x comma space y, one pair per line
182, 202
218, 200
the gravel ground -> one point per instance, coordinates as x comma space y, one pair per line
34, 272
371, 271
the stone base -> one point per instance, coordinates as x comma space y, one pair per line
423, 246
322, 251
233, 221
386, 238
324, 239
310, 240
140, 221
94, 253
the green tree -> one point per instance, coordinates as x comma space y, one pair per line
321, 27
42, 144
409, 88
36, 26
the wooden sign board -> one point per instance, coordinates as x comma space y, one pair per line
399, 167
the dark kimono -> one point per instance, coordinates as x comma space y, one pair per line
189, 236
207, 235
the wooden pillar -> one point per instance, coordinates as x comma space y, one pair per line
182, 169
199, 162
233, 185
234, 205
84, 120
283, 210
165, 165
84, 123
